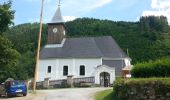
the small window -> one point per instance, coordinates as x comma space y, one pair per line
65, 70
82, 70
49, 69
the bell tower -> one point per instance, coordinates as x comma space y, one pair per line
56, 28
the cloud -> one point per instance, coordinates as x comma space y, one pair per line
69, 18
32, 1
154, 4
84, 6
76, 5
47, 20
159, 7
71, 9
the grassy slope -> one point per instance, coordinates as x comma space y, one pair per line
106, 95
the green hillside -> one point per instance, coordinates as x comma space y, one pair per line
145, 40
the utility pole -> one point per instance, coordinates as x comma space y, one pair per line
38, 49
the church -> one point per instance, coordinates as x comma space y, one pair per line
99, 58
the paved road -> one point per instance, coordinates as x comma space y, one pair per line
62, 94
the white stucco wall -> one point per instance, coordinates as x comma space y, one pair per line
104, 68
73, 67
43, 67
127, 62
93, 67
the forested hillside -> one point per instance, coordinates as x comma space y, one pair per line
24, 38
145, 40
142, 39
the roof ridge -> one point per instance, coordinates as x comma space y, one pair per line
88, 37
98, 47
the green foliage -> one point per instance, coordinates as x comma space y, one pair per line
8, 59
129, 35
106, 95
24, 37
152, 26
142, 88
157, 68
6, 16
7, 54
154, 23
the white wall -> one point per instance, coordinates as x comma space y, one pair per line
104, 68
90, 65
127, 62
73, 67
43, 67
93, 67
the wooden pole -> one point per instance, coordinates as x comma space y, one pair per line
38, 49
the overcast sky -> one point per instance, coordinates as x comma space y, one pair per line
116, 10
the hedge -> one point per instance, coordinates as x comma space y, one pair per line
158, 68
143, 89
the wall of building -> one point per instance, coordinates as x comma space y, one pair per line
104, 68
127, 62
43, 67
93, 68
73, 68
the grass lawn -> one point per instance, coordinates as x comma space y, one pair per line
106, 95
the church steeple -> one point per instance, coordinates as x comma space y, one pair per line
57, 18
56, 28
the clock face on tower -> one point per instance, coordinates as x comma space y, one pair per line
55, 30
56, 33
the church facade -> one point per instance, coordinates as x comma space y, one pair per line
97, 57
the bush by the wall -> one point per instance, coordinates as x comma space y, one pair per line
143, 89
158, 68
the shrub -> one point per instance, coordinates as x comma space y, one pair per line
158, 68
143, 89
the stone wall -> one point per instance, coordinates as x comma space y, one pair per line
143, 89
64, 83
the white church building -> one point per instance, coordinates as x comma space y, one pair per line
97, 57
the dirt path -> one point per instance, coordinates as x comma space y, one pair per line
62, 94
30, 96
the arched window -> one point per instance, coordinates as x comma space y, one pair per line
65, 70
82, 70
49, 69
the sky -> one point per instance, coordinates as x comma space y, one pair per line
117, 10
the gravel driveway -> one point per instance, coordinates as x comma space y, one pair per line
62, 94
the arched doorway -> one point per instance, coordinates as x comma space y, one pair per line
105, 79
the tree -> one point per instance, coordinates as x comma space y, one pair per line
6, 16
154, 23
24, 38
8, 59
8, 55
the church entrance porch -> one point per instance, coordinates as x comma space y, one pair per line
104, 75
104, 79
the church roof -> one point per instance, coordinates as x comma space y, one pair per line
85, 47
118, 64
57, 18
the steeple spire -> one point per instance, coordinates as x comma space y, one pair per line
56, 28
57, 18
59, 3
